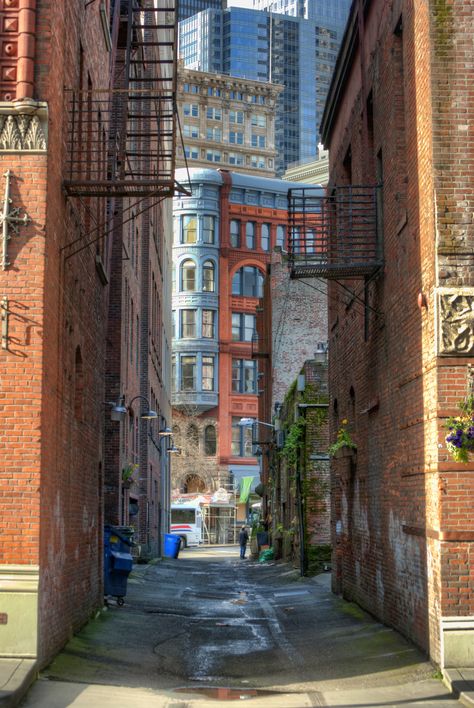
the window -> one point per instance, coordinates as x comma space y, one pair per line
259, 121
208, 324
189, 229
236, 138
213, 91
191, 109
208, 373
250, 234
265, 237
235, 233
173, 323
258, 141
188, 276
244, 376
191, 152
236, 117
236, 95
248, 281
188, 373
173, 373
192, 434
208, 279
210, 440
214, 134
208, 229
243, 327
241, 439
188, 323
213, 155
257, 161
281, 236
190, 131
213, 113
236, 159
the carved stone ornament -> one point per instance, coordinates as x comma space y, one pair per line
456, 322
21, 132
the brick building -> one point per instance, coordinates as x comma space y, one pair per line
69, 168
401, 336
224, 234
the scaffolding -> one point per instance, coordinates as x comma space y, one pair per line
121, 139
219, 514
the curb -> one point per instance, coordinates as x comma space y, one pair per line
18, 677
460, 687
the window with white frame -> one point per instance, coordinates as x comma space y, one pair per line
191, 152
208, 229
191, 109
257, 161
236, 117
280, 236
236, 137
190, 131
258, 140
214, 134
236, 158
265, 237
250, 234
213, 155
259, 120
188, 372
213, 113
208, 373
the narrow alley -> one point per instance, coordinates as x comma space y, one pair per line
195, 627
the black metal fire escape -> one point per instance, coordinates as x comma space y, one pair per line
121, 139
334, 235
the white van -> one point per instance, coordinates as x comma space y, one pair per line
186, 522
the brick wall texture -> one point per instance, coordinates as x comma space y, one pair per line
403, 532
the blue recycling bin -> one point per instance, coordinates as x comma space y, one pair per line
172, 544
118, 562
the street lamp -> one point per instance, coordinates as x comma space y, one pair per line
120, 410
246, 422
165, 433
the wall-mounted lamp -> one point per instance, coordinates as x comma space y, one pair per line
165, 432
120, 410
246, 422
174, 450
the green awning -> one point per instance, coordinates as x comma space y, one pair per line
245, 485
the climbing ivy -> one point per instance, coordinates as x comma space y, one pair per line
294, 442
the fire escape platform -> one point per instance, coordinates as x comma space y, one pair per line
334, 235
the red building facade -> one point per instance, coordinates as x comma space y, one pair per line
400, 346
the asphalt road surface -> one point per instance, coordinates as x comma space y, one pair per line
208, 629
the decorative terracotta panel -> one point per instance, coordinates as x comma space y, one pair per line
8, 48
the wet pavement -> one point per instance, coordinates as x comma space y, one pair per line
209, 629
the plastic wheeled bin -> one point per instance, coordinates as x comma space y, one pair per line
172, 545
118, 562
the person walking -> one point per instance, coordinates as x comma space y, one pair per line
243, 538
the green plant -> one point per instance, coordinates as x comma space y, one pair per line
294, 441
127, 472
343, 439
460, 439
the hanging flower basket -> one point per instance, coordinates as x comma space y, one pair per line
344, 445
127, 475
460, 438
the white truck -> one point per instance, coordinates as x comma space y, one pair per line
186, 522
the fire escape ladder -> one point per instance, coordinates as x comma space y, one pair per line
334, 235
121, 140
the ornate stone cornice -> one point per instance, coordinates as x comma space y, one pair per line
23, 126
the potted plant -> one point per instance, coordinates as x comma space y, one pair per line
344, 444
127, 475
460, 438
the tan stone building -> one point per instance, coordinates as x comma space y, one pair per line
225, 122
310, 171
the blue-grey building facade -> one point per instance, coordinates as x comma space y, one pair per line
298, 52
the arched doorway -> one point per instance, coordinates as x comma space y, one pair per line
193, 483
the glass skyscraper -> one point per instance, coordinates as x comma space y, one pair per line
297, 52
187, 8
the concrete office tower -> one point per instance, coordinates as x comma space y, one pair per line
296, 52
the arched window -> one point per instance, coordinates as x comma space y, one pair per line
176, 434
248, 281
210, 440
188, 276
78, 385
193, 435
208, 277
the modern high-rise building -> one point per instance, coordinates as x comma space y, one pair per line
309, 9
187, 8
296, 52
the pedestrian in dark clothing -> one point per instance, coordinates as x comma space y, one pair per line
243, 538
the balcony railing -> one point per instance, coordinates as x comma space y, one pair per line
335, 235
121, 140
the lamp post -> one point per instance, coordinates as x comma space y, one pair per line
120, 410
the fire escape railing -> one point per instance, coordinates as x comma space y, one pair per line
121, 140
334, 235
